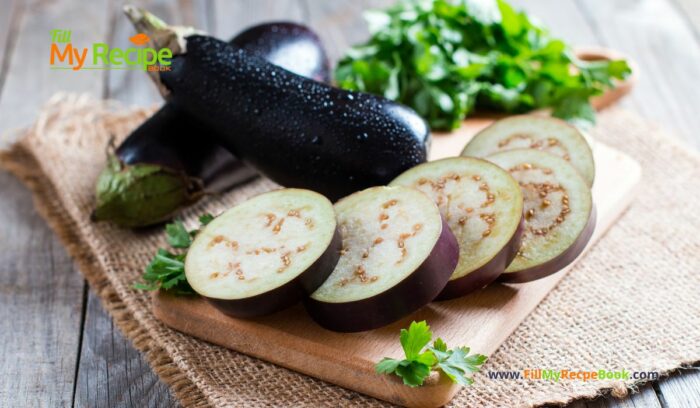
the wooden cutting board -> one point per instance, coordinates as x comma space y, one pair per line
481, 321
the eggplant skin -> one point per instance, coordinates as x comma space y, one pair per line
288, 294
189, 157
176, 140
409, 295
559, 262
488, 273
288, 45
299, 132
168, 139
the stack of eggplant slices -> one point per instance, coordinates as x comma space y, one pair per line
368, 231
514, 207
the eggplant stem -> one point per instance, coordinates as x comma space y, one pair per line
111, 147
161, 35
149, 24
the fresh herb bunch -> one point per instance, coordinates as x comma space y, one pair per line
446, 57
167, 269
457, 364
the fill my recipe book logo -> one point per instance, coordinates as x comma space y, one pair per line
66, 56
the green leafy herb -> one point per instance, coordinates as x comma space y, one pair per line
177, 235
444, 58
457, 364
167, 269
205, 219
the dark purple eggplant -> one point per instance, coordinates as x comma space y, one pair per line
300, 133
289, 45
170, 160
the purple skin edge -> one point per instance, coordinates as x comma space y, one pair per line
487, 273
407, 296
557, 263
288, 294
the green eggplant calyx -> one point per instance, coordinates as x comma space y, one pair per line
141, 194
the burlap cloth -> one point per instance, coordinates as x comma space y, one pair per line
633, 303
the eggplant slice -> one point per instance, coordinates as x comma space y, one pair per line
559, 213
483, 206
266, 253
547, 134
397, 255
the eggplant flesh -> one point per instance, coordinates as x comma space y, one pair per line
547, 134
172, 158
558, 208
265, 254
302, 133
398, 253
557, 263
483, 207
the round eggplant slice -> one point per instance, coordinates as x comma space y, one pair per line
559, 214
548, 134
397, 255
483, 206
266, 253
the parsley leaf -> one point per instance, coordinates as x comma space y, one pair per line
446, 58
167, 269
457, 364
205, 219
415, 338
413, 373
177, 235
387, 365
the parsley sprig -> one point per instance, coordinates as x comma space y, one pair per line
457, 364
167, 269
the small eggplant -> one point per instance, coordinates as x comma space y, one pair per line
301, 133
172, 158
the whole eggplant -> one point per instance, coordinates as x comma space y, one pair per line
303, 133
173, 158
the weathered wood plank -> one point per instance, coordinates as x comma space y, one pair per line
112, 373
574, 29
230, 17
340, 23
681, 390
41, 293
30, 81
655, 35
690, 10
11, 11
41, 296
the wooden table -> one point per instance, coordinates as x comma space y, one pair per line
59, 346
